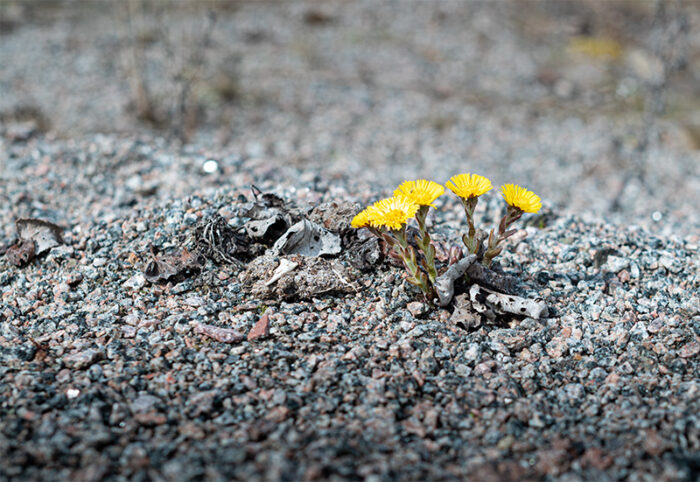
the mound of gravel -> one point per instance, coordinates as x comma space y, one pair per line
104, 375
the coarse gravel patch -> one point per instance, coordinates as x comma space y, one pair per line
134, 350
109, 376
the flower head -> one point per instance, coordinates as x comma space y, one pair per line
421, 192
392, 213
469, 185
521, 198
362, 219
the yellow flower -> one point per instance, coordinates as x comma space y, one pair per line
469, 185
392, 213
521, 198
361, 220
421, 192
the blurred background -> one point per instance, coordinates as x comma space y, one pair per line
595, 105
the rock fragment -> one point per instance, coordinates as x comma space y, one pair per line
223, 335
261, 328
83, 359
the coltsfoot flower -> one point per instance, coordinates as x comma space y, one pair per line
362, 219
392, 213
520, 198
469, 185
421, 192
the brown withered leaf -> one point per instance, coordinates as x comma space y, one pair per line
171, 266
21, 253
45, 234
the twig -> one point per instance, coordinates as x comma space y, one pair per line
502, 303
445, 284
479, 273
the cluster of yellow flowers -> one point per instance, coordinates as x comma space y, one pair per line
393, 212
413, 199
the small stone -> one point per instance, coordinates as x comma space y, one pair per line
194, 301
406, 325
261, 328
21, 253
536, 421
136, 282
278, 414
484, 368
462, 370
74, 279
506, 442
619, 335
556, 348
83, 359
656, 325
150, 419
202, 403
617, 263
99, 262
192, 431
639, 331
63, 375
223, 335
623, 276
472, 352
654, 445
144, 403
689, 349
72, 393
670, 264
128, 331
417, 308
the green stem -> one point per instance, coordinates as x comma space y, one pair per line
408, 256
495, 239
425, 244
469, 239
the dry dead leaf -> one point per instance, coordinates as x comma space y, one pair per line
46, 235
21, 253
169, 266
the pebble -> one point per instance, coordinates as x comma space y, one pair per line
74, 279
556, 348
690, 349
83, 359
260, 329
617, 264
136, 282
99, 262
417, 309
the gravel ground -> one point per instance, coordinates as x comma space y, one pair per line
106, 376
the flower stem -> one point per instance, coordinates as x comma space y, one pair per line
425, 244
495, 238
469, 239
408, 256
